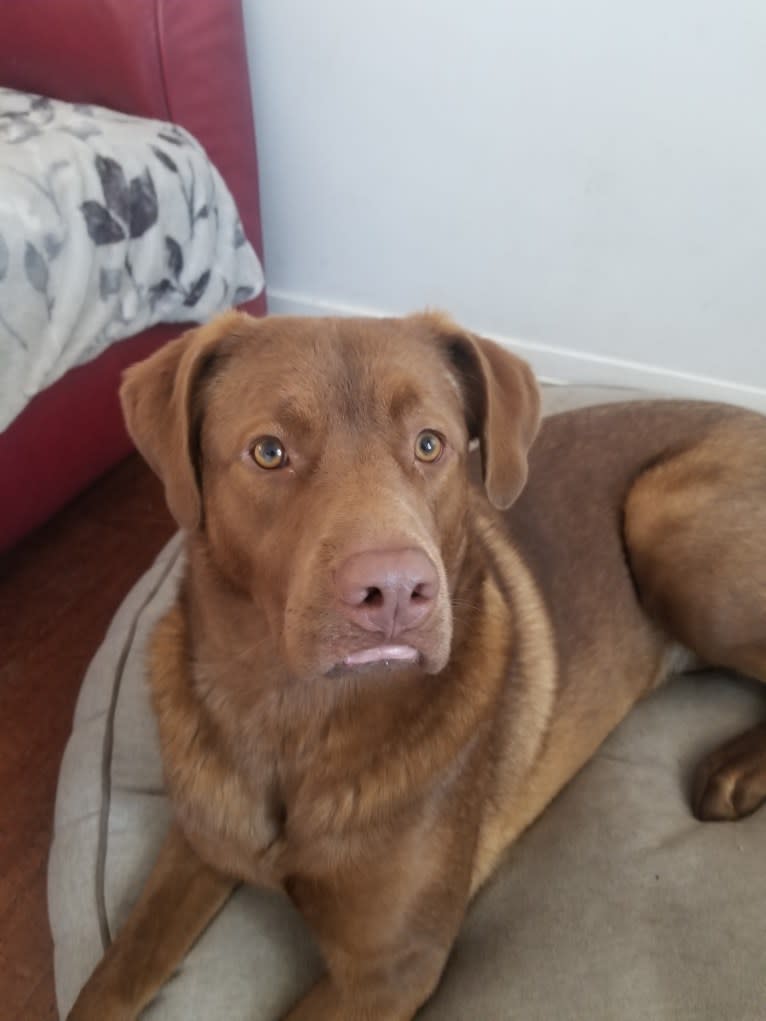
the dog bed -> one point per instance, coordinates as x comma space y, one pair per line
616, 903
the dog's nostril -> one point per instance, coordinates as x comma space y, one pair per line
425, 590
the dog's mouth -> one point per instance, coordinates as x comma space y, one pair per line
386, 654
377, 659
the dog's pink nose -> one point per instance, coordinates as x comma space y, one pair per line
390, 591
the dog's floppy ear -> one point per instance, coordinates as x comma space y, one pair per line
503, 410
157, 397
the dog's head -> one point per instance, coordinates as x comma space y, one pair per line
323, 466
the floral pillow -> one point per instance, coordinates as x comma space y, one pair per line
108, 224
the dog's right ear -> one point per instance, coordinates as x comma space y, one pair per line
157, 397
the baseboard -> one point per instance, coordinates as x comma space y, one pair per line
561, 365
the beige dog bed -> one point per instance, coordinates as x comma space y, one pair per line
617, 905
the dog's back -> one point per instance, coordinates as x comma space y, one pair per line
603, 526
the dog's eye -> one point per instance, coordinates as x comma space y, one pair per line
268, 452
428, 447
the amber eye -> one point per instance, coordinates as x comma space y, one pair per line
268, 452
429, 447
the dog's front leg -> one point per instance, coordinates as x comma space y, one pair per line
385, 930
391, 990
180, 898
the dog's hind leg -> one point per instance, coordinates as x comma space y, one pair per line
731, 782
695, 533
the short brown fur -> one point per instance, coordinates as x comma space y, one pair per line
379, 799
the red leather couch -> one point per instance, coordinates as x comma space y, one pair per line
178, 60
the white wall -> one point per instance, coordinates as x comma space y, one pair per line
587, 178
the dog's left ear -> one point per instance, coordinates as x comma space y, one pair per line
502, 410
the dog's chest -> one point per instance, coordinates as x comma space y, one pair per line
245, 840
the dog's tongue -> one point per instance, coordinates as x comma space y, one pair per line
382, 654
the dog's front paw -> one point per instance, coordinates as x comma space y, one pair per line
95, 1007
98, 1014
320, 1004
731, 783
325, 1003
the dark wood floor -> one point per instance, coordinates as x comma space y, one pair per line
58, 592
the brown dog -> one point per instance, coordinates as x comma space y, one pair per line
373, 680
